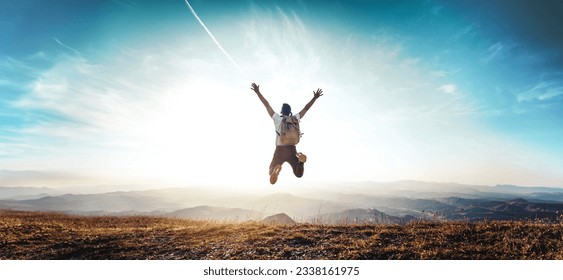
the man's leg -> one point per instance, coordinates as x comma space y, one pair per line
298, 166
275, 165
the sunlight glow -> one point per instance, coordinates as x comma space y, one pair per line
173, 110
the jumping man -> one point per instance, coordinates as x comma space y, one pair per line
284, 152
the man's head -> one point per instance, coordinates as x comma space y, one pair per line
286, 109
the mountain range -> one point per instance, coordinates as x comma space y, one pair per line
369, 202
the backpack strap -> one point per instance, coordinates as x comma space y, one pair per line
283, 120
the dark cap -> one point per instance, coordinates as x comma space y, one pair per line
286, 109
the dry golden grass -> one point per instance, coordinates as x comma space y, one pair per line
35, 235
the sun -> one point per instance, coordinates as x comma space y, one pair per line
201, 133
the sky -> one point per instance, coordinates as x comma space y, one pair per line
142, 92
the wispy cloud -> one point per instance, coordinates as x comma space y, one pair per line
279, 48
125, 3
465, 32
85, 110
493, 51
439, 74
134, 110
436, 10
543, 91
448, 88
498, 50
66, 46
4, 82
9, 64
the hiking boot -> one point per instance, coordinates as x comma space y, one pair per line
274, 174
301, 157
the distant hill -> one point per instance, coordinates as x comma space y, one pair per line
216, 214
108, 202
278, 219
294, 205
526, 190
20, 193
515, 209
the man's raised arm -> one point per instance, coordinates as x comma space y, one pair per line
316, 95
256, 88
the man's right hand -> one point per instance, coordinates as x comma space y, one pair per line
255, 88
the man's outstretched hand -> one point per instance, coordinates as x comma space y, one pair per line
255, 88
318, 93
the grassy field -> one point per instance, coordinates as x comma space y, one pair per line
35, 235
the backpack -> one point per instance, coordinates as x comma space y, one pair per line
289, 131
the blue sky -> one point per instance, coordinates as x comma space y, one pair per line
129, 92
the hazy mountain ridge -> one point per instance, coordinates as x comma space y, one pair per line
20, 193
108, 202
505, 210
216, 214
396, 202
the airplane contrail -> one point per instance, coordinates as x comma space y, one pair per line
211, 35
